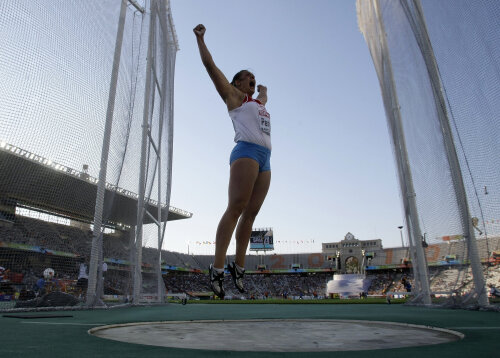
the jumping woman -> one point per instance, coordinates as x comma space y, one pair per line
250, 169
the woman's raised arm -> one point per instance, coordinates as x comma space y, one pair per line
222, 85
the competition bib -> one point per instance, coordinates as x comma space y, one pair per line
265, 120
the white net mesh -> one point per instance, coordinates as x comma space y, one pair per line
438, 65
56, 67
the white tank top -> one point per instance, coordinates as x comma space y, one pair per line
252, 123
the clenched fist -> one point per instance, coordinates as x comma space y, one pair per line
199, 30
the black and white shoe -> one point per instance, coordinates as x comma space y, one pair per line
216, 281
237, 275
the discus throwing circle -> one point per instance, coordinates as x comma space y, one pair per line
278, 335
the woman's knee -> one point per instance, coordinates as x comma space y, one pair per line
236, 208
249, 214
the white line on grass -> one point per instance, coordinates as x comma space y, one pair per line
63, 323
474, 327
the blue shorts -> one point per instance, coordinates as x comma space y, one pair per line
260, 154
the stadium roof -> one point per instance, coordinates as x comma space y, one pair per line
40, 183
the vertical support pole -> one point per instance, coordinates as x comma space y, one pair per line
170, 132
95, 266
417, 22
160, 283
169, 48
164, 93
142, 174
405, 178
132, 255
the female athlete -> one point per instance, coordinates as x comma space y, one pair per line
250, 170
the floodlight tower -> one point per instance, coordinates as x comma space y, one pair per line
401, 233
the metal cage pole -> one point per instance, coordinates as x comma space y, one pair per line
168, 84
142, 174
405, 178
159, 277
95, 266
419, 29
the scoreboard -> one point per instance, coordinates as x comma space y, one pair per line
262, 240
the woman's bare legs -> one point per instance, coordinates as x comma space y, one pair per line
243, 176
244, 228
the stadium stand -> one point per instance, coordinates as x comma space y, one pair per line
258, 285
28, 246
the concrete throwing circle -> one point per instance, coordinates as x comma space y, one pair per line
277, 335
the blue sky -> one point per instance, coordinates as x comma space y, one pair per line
332, 165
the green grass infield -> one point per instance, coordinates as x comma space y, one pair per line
308, 301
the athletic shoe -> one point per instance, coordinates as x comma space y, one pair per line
216, 280
237, 275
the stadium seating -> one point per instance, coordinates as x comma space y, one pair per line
116, 246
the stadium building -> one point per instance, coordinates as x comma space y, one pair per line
38, 230
41, 227
352, 255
